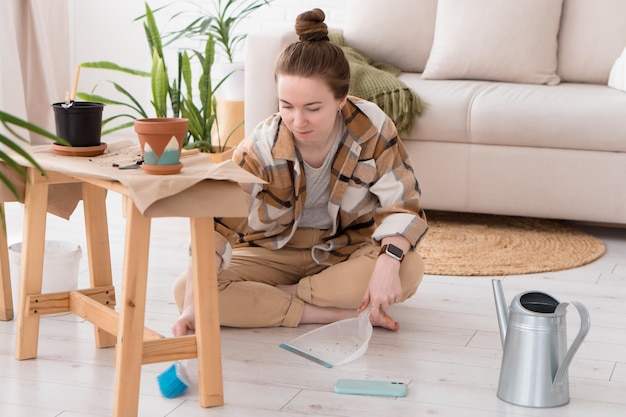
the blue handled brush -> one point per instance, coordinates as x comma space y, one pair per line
174, 381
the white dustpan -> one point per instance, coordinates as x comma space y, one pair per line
336, 343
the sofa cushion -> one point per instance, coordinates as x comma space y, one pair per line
446, 106
571, 116
593, 34
508, 114
497, 40
398, 33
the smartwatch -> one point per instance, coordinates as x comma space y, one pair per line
393, 251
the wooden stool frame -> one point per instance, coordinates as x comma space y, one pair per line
6, 297
135, 344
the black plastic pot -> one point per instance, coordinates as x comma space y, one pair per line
80, 124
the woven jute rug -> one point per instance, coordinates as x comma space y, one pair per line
488, 245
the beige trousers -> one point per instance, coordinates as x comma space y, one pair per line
248, 296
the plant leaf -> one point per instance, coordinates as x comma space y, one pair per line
114, 67
186, 75
7, 159
7, 118
152, 30
104, 100
118, 127
159, 85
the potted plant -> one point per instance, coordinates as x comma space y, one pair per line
221, 19
11, 141
168, 98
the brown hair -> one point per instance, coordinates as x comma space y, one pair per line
314, 56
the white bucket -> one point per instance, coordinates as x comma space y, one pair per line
60, 265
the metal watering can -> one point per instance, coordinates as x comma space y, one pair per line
535, 355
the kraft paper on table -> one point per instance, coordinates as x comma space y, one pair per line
184, 194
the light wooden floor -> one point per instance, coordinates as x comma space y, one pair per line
448, 349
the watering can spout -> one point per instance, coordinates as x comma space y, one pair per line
501, 308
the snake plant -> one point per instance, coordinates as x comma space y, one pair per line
168, 100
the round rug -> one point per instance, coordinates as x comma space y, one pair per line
487, 245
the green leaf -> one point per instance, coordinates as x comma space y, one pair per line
8, 121
20, 151
107, 101
119, 127
7, 159
219, 19
175, 88
7, 118
113, 67
118, 116
159, 85
191, 112
153, 32
137, 106
186, 75
10, 186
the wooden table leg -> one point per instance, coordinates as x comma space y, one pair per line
6, 296
98, 248
128, 358
209, 352
31, 266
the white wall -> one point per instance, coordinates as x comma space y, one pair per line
104, 30
281, 14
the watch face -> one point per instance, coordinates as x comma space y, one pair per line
395, 251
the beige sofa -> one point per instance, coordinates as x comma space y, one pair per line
518, 118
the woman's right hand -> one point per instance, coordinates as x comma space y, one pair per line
186, 323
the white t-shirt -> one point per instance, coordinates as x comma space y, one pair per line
315, 213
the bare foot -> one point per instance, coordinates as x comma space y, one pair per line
381, 319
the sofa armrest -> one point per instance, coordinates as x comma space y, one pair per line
262, 51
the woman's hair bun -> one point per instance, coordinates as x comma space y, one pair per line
310, 26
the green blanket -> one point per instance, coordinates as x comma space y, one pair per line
378, 83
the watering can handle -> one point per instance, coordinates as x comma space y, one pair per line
585, 323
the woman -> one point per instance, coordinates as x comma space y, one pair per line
334, 229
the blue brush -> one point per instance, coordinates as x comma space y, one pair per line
174, 380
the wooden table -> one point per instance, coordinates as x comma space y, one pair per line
135, 344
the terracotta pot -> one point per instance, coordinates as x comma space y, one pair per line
161, 140
225, 155
231, 115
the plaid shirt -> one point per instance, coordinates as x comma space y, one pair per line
373, 189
